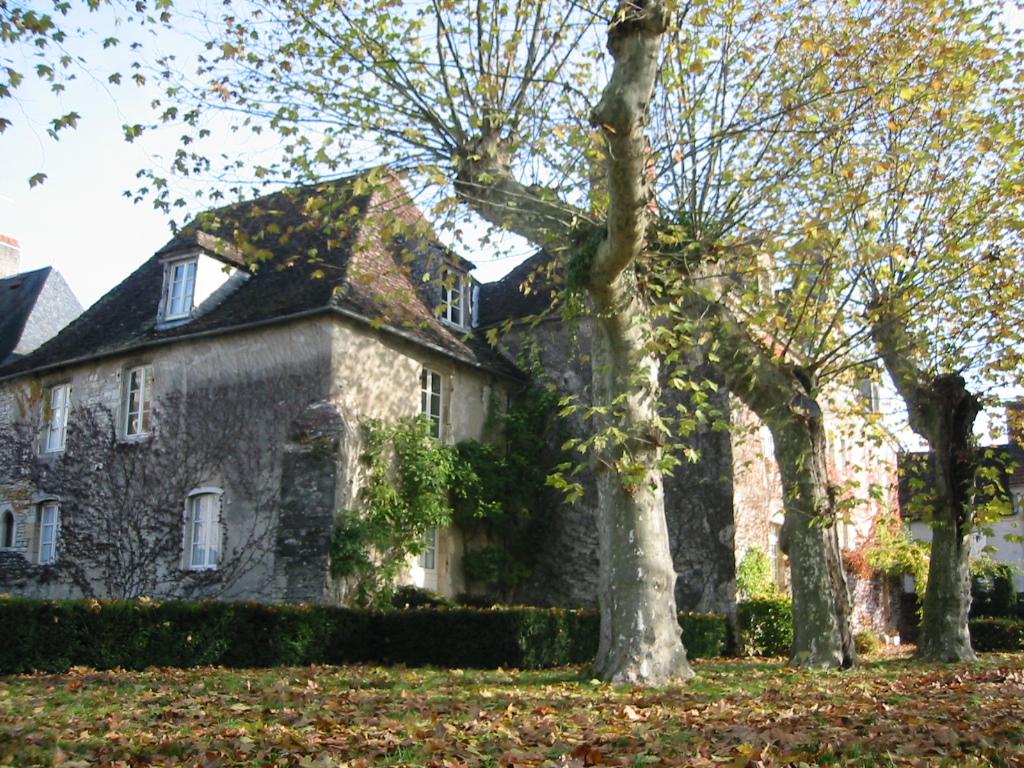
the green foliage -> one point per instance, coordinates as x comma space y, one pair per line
54, 636
895, 553
867, 642
766, 627
754, 578
406, 492
705, 635
992, 589
501, 637
502, 497
407, 596
997, 634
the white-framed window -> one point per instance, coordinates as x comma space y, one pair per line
55, 428
49, 530
202, 529
430, 400
179, 288
456, 297
424, 570
7, 530
427, 559
137, 403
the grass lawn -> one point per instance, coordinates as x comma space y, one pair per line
736, 713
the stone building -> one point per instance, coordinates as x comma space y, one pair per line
719, 508
216, 396
196, 431
34, 306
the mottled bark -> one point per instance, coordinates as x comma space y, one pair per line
783, 398
950, 411
942, 411
822, 618
640, 635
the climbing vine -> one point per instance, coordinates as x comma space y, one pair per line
502, 502
410, 479
494, 492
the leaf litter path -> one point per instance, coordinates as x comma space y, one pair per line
736, 713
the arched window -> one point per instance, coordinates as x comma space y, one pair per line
202, 529
7, 530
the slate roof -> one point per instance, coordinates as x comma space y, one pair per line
339, 247
529, 290
18, 296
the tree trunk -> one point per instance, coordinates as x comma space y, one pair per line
640, 636
951, 411
941, 411
781, 396
822, 604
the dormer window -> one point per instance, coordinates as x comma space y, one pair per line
179, 288
456, 297
195, 283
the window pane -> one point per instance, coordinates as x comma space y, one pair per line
48, 533
198, 551
428, 557
204, 530
181, 280
456, 303
137, 401
56, 425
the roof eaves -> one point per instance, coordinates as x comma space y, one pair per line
155, 343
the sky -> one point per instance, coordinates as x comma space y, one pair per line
78, 220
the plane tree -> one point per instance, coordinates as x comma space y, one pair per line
931, 236
809, 169
454, 90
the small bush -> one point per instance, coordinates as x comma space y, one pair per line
766, 627
754, 577
997, 634
408, 596
993, 592
867, 642
705, 635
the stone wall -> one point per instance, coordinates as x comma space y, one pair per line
270, 418
221, 413
698, 497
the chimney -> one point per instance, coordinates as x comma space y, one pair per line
1015, 422
10, 256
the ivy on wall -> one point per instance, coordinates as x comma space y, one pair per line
503, 503
410, 477
494, 492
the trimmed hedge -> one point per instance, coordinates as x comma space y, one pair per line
53, 636
705, 635
766, 627
997, 634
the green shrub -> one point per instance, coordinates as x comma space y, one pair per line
705, 635
992, 590
408, 596
867, 642
997, 634
53, 636
766, 627
754, 578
